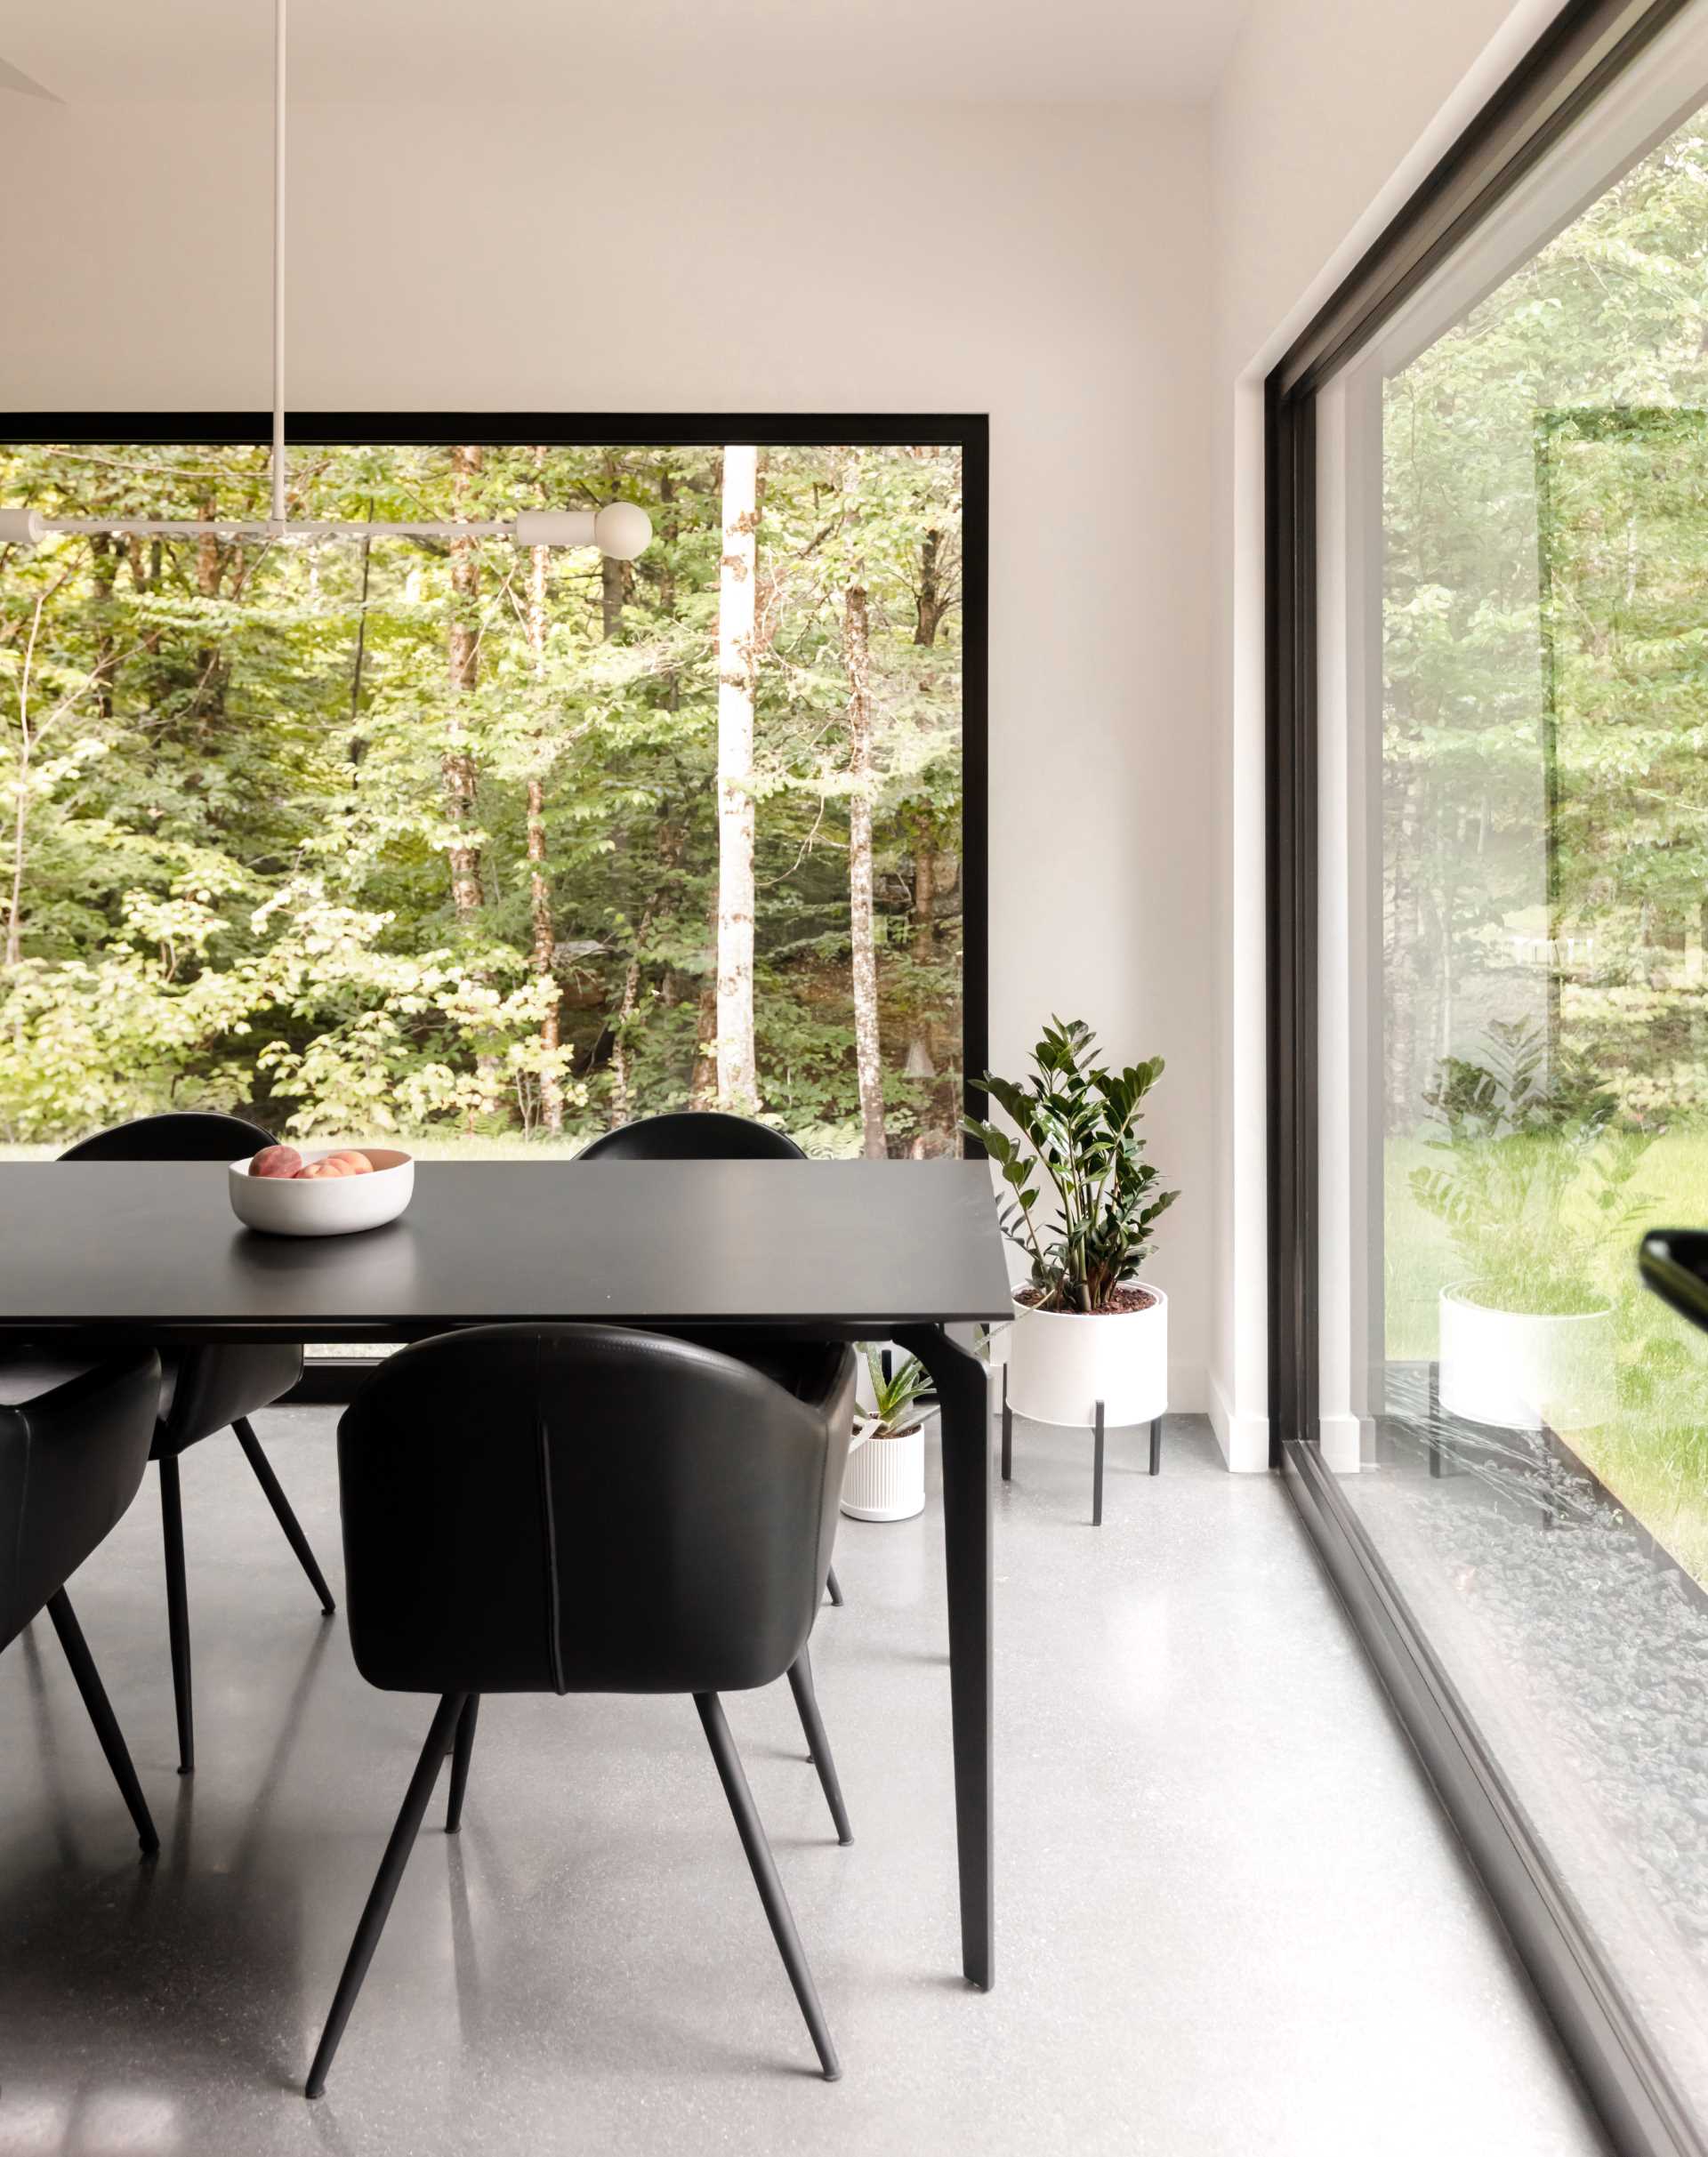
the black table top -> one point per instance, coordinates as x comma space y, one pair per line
850, 1247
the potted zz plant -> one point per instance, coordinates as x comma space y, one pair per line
1533, 1188
1082, 1207
885, 1478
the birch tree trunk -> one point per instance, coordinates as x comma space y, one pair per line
737, 1079
857, 656
921, 826
931, 605
615, 578
464, 657
20, 815
621, 1103
462, 777
671, 839
539, 886
104, 566
209, 696
703, 1085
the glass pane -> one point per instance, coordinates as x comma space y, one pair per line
1533, 563
424, 836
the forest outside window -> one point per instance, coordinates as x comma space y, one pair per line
489, 847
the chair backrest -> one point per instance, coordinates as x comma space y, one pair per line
180, 1135
693, 1134
218, 1381
72, 1445
580, 1508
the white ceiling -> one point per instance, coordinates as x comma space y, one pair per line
447, 53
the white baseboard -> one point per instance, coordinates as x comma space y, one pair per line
1342, 1439
1243, 1440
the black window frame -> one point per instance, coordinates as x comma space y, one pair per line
332, 1379
970, 432
1580, 56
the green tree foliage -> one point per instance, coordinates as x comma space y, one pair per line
1545, 548
231, 795
1544, 803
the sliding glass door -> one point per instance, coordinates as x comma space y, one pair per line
1511, 637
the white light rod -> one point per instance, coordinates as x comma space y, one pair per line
621, 530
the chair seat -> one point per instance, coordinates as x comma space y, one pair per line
72, 1445
172, 1364
813, 1370
205, 1389
34, 1368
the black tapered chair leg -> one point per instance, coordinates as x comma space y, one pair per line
806, 1702
1156, 1446
281, 1506
171, 1523
462, 1748
764, 1870
833, 1588
385, 1885
1007, 1432
1097, 1469
100, 1714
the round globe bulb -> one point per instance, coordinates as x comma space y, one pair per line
623, 530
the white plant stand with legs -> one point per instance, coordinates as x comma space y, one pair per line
1069, 1362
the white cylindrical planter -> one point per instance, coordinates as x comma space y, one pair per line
1515, 1371
885, 1478
1062, 1364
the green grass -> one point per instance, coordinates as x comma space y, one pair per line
1653, 1455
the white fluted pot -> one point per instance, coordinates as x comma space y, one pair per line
885, 1478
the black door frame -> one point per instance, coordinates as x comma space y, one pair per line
1587, 47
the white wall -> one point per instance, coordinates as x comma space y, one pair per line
1329, 113
1050, 267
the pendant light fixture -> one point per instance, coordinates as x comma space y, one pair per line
621, 530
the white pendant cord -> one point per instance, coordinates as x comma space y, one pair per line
280, 9
621, 530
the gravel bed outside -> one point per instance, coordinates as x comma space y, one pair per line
1583, 1652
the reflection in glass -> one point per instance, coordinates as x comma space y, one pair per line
1527, 482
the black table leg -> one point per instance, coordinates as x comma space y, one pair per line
962, 1381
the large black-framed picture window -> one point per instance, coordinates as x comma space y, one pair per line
492, 846
1488, 863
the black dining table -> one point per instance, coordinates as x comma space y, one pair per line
849, 1250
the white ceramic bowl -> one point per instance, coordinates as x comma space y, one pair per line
338, 1205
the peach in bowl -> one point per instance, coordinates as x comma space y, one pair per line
330, 1190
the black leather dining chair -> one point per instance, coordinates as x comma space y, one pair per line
74, 1442
819, 1372
579, 1509
206, 1389
713, 1134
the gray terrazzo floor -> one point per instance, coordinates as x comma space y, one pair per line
1230, 1918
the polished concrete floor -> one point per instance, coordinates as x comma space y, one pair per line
1231, 1919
